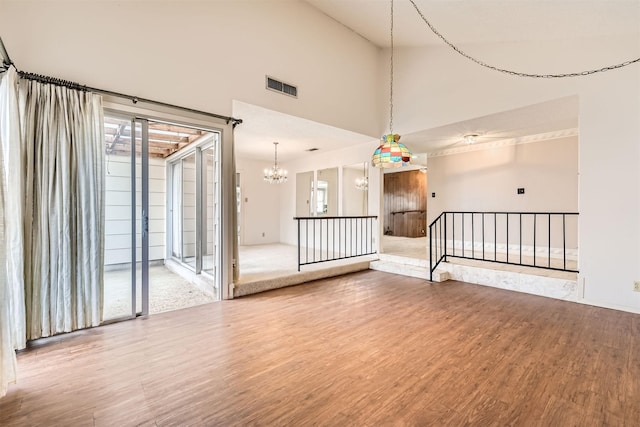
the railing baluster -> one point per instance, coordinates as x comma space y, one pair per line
369, 240
430, 254
350, 236
549, 251
463, 254
333, 229
495, 236
339, 243
564, 243
507, 237
440, 236
473, 238
327, 233
483, 236
535, 218
453, 230
361, 236
320, 252
298, 221
520, 238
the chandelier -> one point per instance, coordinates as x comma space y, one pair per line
391, 153
275, 174
363, 183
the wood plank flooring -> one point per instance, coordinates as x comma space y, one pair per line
367, 349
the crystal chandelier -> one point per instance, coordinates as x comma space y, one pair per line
363, 183
275, 174
391, 153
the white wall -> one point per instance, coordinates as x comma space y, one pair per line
202, 54
435, 87
487, 180
118, 210
260, 210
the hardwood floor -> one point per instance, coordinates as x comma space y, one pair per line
364, 349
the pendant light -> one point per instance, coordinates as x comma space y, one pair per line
275, 174
391, 153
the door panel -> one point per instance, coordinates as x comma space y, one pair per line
405, 204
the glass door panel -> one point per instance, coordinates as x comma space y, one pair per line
195, 212
189, 210
176, 210
120, 234
209, 217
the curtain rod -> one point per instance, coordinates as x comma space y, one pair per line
135, 99
6, 62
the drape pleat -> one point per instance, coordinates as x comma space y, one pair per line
234, 216
13, 188
63, 207
7, 335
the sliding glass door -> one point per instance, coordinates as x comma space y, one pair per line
195, 208
210, 215
122, 217
162, 206
187, 211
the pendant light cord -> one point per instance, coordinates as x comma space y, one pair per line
503, 70
391, 77
276, 156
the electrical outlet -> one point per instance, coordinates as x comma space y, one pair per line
636, 286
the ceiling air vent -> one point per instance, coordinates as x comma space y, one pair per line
278, 86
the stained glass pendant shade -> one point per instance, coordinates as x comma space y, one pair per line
391, 153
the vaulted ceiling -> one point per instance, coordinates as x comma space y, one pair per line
485, 21
463, 22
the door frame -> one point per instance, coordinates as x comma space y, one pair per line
115, 107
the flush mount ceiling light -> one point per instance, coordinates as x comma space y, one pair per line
470, 138
391, 153
275, 174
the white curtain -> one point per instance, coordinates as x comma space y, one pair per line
9, 126
63, 207
51, 240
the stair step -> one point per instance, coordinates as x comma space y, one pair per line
410, 270
441, 275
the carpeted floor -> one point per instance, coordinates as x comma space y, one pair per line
167, 291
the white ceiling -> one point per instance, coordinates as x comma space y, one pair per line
461, 21
552, 116
261, 127
485, 21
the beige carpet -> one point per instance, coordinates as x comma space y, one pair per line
167, 291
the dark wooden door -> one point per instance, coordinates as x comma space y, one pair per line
405, 204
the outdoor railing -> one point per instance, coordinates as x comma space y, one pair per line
533, 239
330, 238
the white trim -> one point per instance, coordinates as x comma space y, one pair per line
609, 306
564, 133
